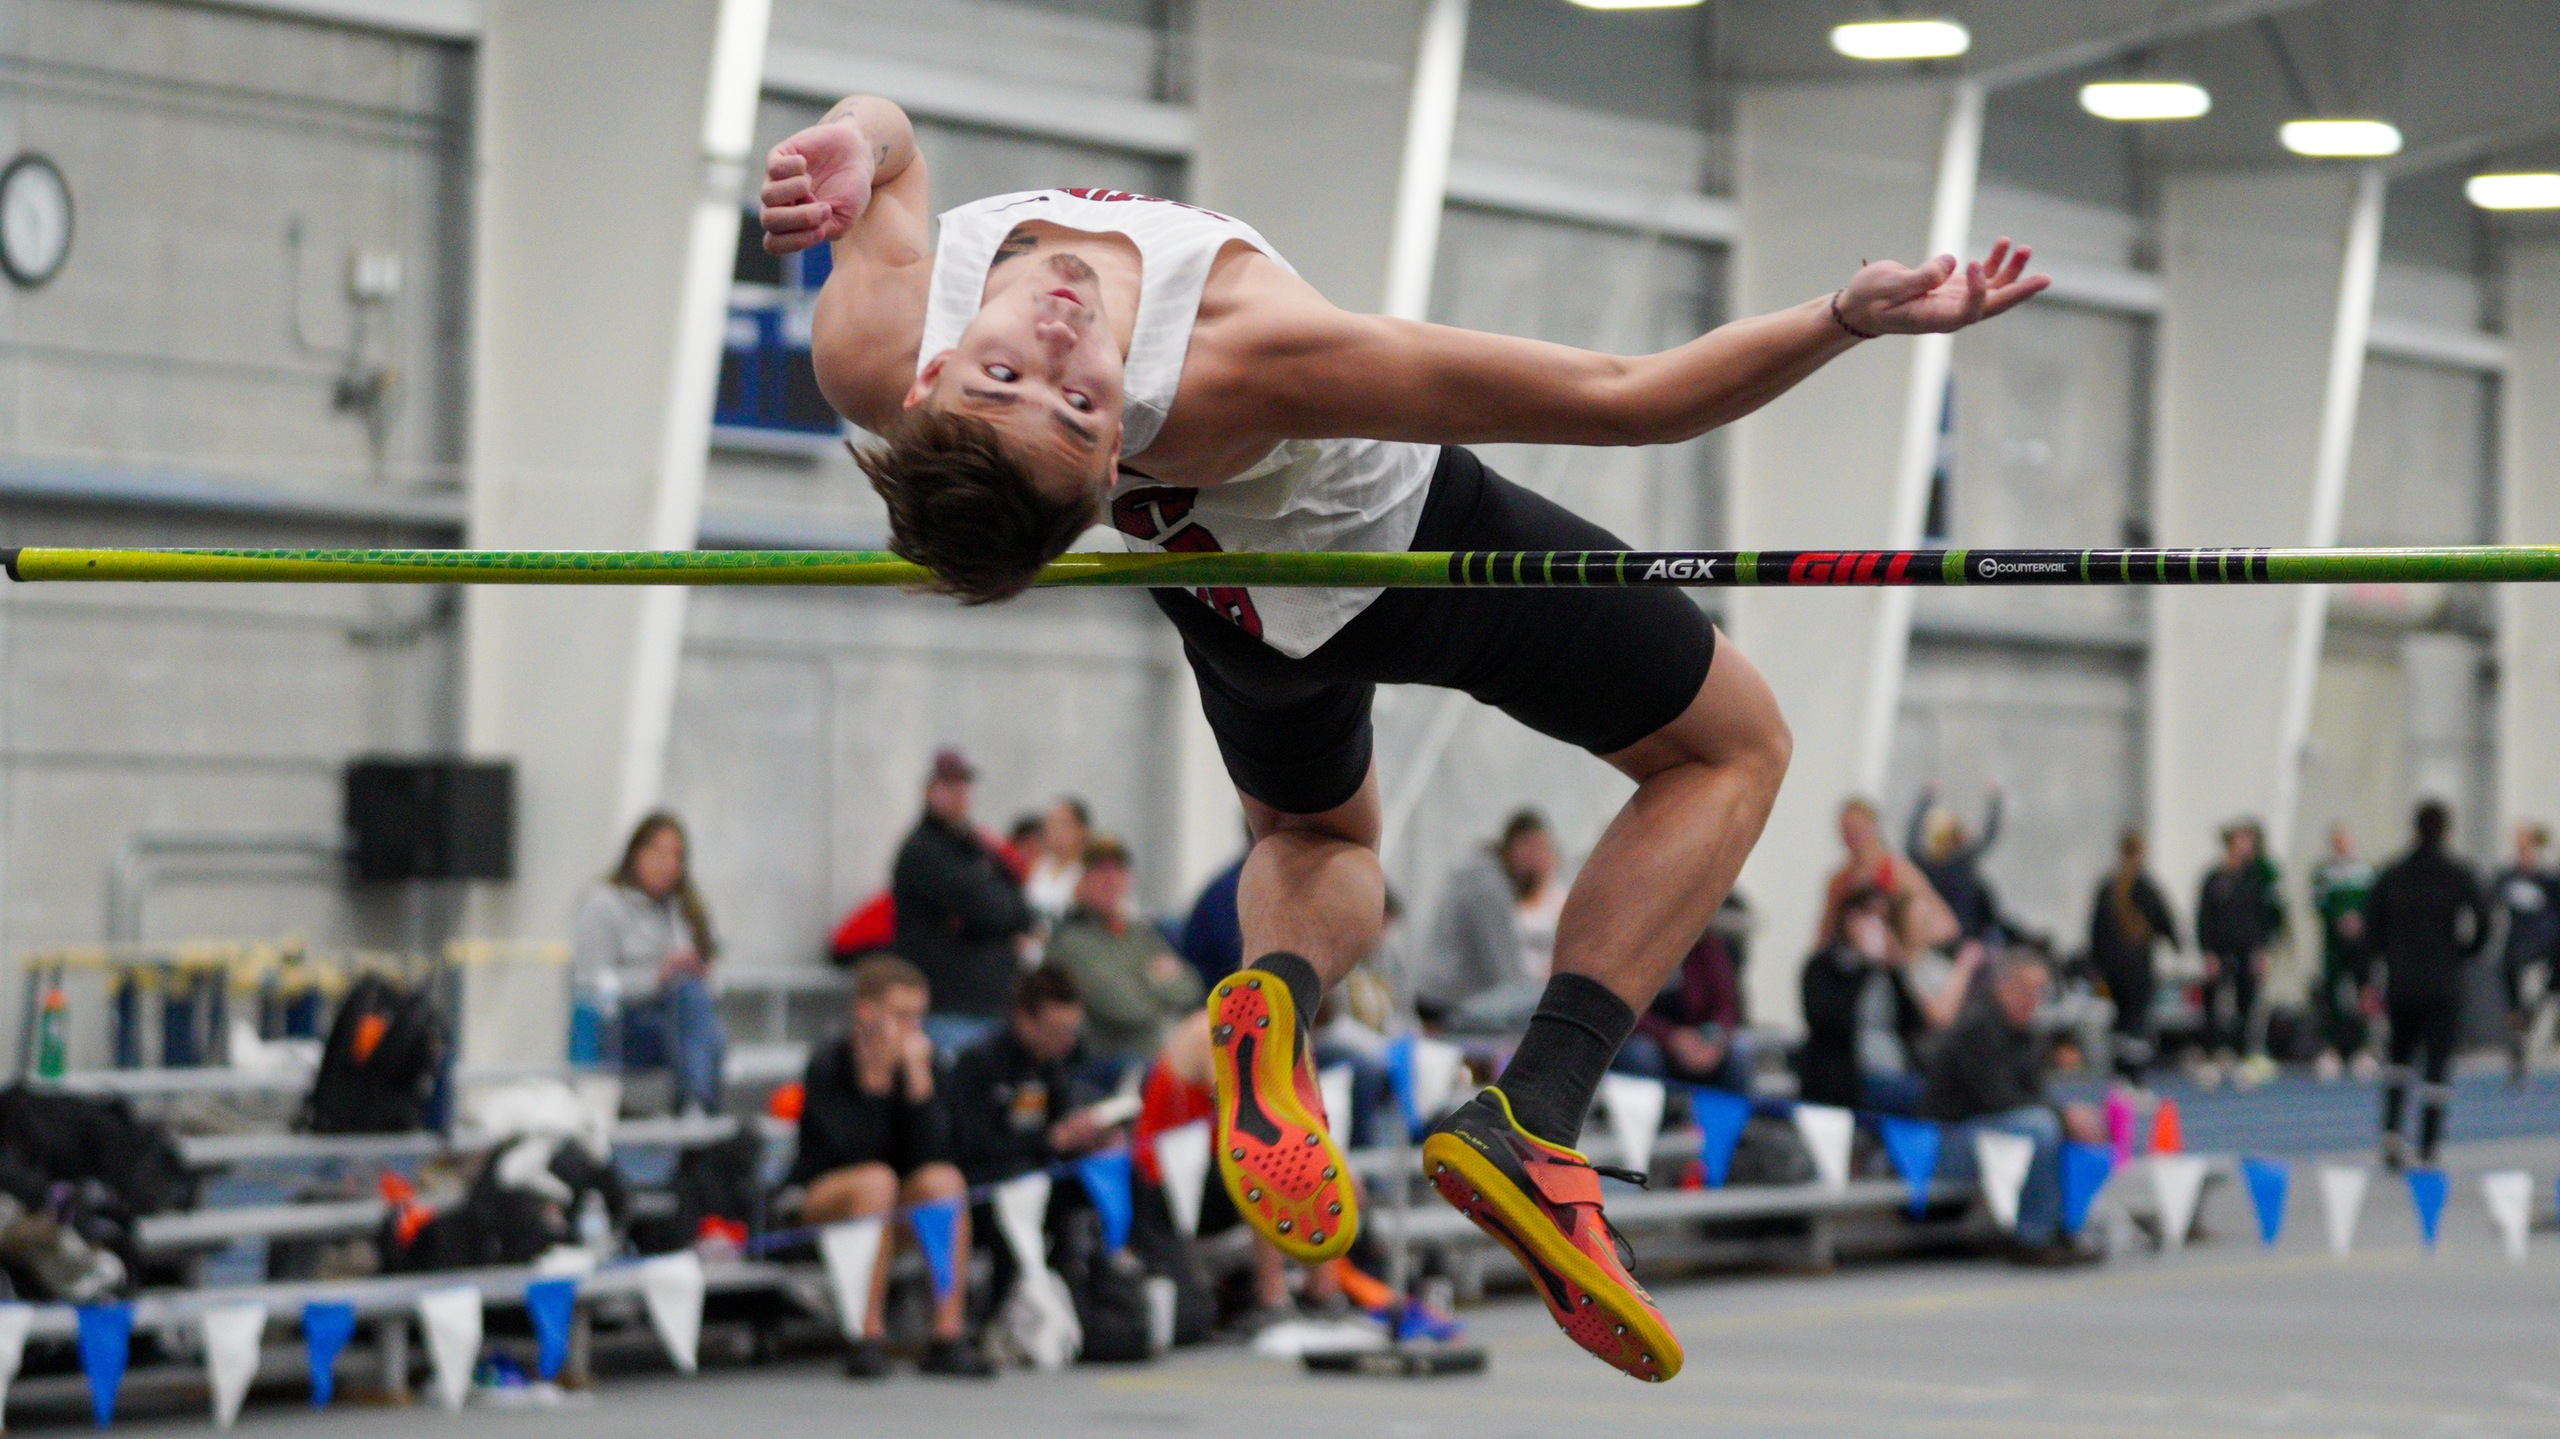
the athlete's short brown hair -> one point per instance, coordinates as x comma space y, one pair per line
964, 509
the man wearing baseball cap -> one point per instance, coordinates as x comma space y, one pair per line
960, 910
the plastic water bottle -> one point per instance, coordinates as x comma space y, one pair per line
595, 1021
53, 1033
595, 1225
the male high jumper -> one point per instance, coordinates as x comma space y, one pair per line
1065, 357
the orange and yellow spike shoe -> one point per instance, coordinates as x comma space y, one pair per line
1541, 1201
1275, 1154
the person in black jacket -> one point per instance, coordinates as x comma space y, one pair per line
1990, 1071
875, 1139
2128, 921
1018, 1105
1015, 1102
961, 914
2238, 915
2427, 918
1863, 1026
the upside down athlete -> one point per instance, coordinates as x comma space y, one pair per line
1065, 357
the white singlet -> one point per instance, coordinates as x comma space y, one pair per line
1304, 495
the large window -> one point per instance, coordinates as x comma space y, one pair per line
768, 386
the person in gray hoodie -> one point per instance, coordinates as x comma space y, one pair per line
1474, 946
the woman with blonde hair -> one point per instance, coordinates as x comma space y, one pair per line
1951, 856
645, 926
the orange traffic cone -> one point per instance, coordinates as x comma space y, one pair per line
2166, 1138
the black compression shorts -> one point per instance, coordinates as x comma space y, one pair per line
1596, 668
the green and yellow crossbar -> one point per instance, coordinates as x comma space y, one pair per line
1498, 569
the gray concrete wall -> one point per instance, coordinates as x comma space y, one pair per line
195, 138
191, 137
2528, 764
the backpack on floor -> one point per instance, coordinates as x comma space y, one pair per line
1161, 1248
527, 1198
72, 1138
378, 1068
90, 1163
721, 1180
1110, 1293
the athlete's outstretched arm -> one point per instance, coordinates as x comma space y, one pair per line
1323, 373
854, 180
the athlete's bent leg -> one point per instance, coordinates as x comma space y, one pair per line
1312, 886
1704, 785
1311, 903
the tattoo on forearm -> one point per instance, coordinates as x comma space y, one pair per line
1017, 244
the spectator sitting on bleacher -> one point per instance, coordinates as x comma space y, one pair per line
1056, 859
1990, 1071
1692, 1032
875, 1137
1475, 946
961, 916
646, 926
1865, 1026
1015, 1100
1133, 985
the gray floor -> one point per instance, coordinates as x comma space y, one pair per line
2223, 1339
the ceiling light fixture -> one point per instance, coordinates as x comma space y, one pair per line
2341, 139
2516, 190
2137, 100
1637, 4
1901, 39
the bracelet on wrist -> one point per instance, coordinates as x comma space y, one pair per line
1842, 320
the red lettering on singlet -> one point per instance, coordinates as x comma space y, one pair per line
1082, 192
1160, 515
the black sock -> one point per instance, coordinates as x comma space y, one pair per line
1557, 1068
2430, 1128
1306, 987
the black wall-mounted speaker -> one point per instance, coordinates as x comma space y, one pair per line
434, 818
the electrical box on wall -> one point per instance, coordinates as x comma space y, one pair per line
430, 818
